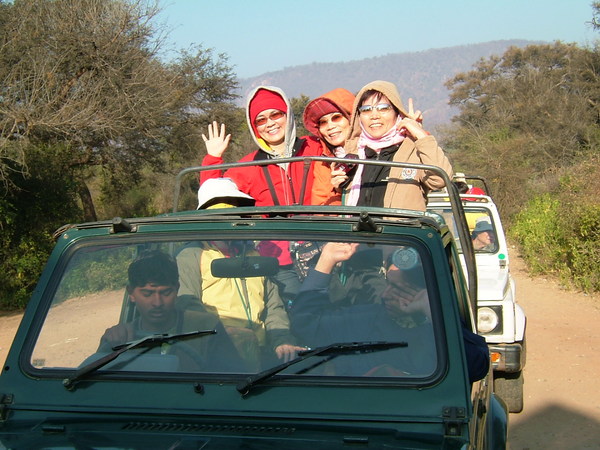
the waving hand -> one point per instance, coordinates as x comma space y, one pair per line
217, 140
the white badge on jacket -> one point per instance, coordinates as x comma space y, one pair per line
409, 174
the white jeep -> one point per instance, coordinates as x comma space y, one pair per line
500, 319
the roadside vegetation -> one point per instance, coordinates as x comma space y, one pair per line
529, 123
95, 121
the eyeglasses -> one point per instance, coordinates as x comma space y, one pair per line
382, 108
262, 121
334, 118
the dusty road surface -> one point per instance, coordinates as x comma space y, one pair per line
9, 321
562, 398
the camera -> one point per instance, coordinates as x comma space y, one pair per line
347, 167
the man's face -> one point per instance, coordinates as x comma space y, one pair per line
156, 305
483, 239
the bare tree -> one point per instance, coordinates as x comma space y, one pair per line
87, 73
595, 22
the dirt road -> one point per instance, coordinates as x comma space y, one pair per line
562, 400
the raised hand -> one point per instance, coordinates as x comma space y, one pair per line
412, 124
217, 140
333, 253
412, 114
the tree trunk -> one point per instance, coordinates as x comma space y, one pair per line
87, 203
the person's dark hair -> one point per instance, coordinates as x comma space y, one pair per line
461, 186
378, 96
153, 266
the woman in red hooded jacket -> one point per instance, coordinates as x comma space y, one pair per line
271, 123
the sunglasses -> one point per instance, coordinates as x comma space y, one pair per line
261, 121
382, 108
334, 118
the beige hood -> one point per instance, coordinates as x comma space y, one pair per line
386, 88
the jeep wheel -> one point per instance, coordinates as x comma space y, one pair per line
509, 387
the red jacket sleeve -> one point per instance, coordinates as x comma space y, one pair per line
209, 160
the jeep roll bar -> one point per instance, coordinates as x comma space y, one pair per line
452, 193
479, 178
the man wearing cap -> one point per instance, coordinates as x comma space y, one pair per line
460, 182
483, 237
463, 188
250, 308
319, 322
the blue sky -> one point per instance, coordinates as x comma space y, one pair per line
265, 35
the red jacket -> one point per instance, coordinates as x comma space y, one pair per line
281, 184
287, 182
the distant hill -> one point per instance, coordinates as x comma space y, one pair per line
420, 75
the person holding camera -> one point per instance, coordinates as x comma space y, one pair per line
328, 118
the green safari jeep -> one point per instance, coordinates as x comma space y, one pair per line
349, 361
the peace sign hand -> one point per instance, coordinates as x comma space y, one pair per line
412, 114
412, 124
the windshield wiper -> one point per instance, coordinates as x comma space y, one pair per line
149, 341
245, 386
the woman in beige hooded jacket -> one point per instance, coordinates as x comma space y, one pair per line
382, 129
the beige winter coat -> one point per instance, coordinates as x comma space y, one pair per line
406, 188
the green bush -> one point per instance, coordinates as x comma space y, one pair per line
42, 199
561, 237
583, 249
21, 268
536, 230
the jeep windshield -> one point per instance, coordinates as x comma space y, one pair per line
268, 300
480, 221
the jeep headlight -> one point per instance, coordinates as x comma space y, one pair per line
487, 319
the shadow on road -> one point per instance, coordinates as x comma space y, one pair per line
554, 427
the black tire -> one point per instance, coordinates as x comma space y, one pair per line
509, 387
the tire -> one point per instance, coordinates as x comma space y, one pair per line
509, 387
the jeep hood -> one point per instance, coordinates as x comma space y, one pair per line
158, 434
492, 282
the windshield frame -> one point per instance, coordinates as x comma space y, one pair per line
214, 230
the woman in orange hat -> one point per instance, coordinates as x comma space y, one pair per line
328, 118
